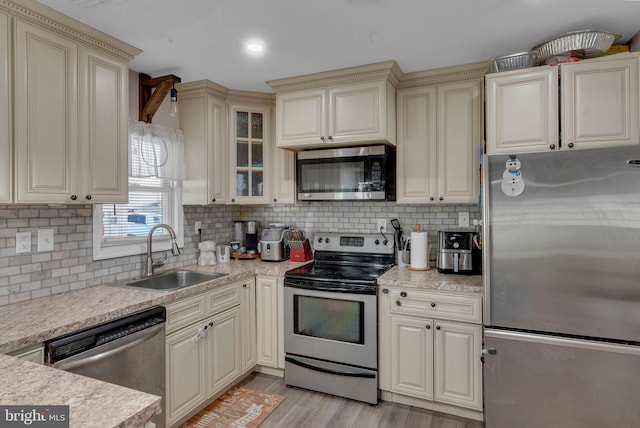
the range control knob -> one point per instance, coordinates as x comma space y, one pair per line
326, 240
319, 240
377, 242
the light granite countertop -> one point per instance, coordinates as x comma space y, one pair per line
98, 404
93, 403
431, 280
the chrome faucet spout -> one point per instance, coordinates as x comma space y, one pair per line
174, 248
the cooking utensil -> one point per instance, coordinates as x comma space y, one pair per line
512, 62
396, 226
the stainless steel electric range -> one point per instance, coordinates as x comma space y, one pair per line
331, 316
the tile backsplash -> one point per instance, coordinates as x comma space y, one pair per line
71, 266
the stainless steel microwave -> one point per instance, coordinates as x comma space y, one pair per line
354, 173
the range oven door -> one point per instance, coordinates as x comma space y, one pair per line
334, 326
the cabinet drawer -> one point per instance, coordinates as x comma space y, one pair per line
224, 298
436, 305
184, 312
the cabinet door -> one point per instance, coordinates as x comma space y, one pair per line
224, 356
412, 356
284, 177
416, 152
522, 111
217, 151
250, 150
267, 321
458, 369
301, 118
6, 153
459, 134
203, 123
46, 115
600, 103
357, 113
248, 325
103, 127
186, 383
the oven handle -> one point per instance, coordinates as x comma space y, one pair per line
329, 371
330, 286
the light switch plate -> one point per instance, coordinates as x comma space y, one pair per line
463, 219
45, 239
23, 242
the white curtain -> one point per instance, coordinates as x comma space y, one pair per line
155, 151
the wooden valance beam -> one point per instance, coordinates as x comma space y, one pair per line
151, 93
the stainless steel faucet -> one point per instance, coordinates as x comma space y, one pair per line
174, 248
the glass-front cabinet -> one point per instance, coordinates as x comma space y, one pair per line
249, 152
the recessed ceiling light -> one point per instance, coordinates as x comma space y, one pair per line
254, 47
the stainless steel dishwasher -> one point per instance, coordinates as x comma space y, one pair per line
128, 351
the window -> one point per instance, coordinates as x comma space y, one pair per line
155, 164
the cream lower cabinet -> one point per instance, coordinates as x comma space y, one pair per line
439, 143
71, 115
203, 348
269, 321
248, 325
434, 347
598, 101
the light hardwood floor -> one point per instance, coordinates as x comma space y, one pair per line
303, 408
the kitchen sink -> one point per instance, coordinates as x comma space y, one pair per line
174, 279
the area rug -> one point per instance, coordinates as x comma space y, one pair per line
240, 407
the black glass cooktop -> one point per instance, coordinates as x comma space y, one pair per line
338, 273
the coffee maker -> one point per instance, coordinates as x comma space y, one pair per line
251, 237
456, 253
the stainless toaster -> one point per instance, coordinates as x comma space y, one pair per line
274, 244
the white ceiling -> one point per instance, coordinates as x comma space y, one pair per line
204, 39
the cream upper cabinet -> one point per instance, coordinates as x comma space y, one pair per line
6, 152
70, 104
600, 103
203, 120
46, 115
103, 152
598, 106
354, 106
522, 110
344, 115
301, 118
439, 137
250, 150
284, 176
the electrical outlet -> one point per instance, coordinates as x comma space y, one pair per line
23, 242
45, 239
198, 227
463, 219
382, 225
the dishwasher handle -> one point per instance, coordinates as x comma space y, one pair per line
108, 349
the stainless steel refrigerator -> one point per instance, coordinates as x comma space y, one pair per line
562, 289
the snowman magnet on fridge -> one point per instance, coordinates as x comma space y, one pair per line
512, 180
